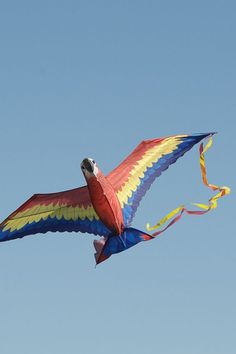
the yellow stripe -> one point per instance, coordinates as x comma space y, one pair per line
150, 157
44, 212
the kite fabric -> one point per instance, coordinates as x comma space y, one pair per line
107, 204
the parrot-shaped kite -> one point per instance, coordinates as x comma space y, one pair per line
107, 204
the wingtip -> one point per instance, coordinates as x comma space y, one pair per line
212, 133
200, 136
206, 134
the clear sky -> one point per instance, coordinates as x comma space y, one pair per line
94, 78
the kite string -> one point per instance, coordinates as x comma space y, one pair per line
177, 213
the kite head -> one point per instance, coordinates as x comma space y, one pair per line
89, 168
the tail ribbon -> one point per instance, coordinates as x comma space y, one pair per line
177, 213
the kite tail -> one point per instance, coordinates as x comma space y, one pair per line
105, 247
177, 213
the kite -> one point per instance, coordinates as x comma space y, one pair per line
107, 204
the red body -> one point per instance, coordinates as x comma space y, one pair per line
106, 203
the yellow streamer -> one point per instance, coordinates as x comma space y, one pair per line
212, 204
165, 219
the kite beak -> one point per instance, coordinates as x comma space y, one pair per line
88, 165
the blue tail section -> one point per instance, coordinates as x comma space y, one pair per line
118, 243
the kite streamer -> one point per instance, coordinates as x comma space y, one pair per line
177, 213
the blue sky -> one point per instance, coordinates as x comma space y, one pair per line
94, 78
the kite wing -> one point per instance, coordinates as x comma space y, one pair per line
64, 211
134, 176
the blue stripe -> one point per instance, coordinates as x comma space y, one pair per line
53, 224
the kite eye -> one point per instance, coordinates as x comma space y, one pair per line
83, 168
93, 162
